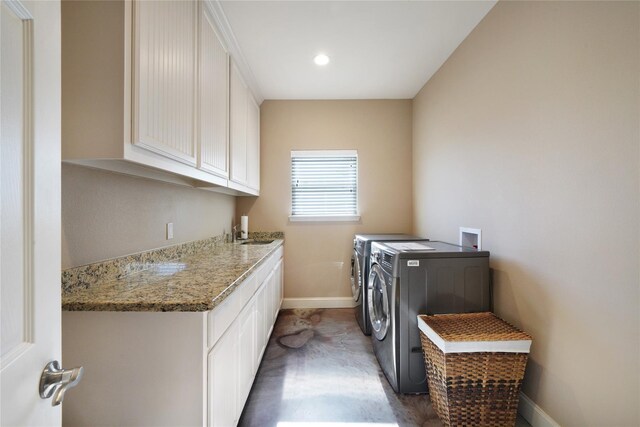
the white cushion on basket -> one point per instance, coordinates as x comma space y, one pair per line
516, 346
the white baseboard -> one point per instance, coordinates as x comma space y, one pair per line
332, 302
534, 414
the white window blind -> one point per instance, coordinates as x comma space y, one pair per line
324, 185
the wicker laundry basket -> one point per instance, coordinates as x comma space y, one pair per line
475, 365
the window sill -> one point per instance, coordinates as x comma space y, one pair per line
328, 218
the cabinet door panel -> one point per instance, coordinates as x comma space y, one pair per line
276, 290
223, 408
238, 117
273, 284
253, 143
214, 83
246, 351
165, 50
279, 285
262, 321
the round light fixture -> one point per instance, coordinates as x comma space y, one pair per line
321, 59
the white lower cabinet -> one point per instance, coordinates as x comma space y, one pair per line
237, 354
172, 368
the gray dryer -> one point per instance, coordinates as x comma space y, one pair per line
411, 278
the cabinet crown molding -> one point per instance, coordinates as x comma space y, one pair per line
232, 46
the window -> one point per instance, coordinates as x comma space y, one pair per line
324, 185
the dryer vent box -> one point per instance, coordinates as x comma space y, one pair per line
471, 237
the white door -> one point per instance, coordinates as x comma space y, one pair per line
29, 208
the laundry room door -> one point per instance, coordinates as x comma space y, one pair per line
29, 208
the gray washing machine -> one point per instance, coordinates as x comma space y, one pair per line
360, 272
411, 278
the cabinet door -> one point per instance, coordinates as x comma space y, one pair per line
223, 408
277, 289
275, 295
263, 319
280, 283
165, 78
253, 143
214, 93
246, 351
238, 132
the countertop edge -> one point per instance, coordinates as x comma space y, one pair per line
159, 307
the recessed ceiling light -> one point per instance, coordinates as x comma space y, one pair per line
321, 59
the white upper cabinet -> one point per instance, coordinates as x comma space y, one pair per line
165, 59
244, 136
147, 91
214, 100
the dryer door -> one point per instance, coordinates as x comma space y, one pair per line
378, 302
356, 277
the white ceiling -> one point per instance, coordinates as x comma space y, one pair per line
378, 49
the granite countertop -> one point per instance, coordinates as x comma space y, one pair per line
198, 278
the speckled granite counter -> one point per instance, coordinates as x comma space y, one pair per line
196, 276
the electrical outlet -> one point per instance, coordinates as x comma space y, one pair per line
169, 230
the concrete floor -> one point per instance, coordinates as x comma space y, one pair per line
320, 370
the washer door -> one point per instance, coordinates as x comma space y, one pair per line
356, 277
378, 302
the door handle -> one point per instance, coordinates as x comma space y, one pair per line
56, 381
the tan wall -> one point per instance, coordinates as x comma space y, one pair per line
530, 131
106, 215
317, 256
